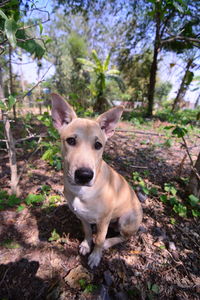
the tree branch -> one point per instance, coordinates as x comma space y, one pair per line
181, 38
4, 3
37, 83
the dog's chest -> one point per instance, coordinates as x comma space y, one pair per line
84, 210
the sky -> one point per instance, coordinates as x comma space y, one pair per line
29, 68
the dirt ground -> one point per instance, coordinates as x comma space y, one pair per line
161, 262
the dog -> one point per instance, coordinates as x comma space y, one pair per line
95, 192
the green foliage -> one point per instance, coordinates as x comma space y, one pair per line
54, 236
135, 71
17, 36
101, 75
162, 90
195, 205
182, 117
7, 105
10, 31
192, 206
45, 189
33, 199
10, 244
153, 287
53, 200
139, 182
87, 287
7, 200
51, 146
171, 198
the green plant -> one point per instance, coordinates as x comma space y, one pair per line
139, 182
45, 189
7, 200
153, 287
195, 204
87, 287
52, 144
10, 244
32, 199
171, 198
54, 236
101, 73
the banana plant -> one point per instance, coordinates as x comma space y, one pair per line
102, 74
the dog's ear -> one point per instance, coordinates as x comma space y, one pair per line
62, 113
109, 119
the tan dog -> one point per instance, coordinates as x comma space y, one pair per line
94, 191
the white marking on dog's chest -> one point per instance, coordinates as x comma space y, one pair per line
84, 211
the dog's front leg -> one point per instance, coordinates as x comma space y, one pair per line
84, 247
95, 256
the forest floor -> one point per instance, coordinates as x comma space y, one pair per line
39, 256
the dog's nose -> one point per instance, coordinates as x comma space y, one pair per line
83, 175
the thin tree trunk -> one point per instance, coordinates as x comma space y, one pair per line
10, 143
11, 79
183, 87
197, 102
194, 182
154, 67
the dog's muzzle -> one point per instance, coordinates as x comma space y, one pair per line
83, 176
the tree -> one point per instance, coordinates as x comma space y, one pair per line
102, 73
186, 80
13, 34
135, 72
194, 181
162, 90
145, 22
164, 14
69, 42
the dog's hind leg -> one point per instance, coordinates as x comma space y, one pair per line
128, 224
85, 246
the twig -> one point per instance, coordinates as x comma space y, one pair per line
182, 38
42, 22
4, 3
39, 81
4, 276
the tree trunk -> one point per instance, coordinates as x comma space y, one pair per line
10, 143
154, 67
100, 105
183, 87
194, 182
11, 79
197, 102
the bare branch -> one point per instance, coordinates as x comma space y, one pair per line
42, 22
39, 81
4, 3
181, 38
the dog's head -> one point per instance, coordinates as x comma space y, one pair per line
83, 140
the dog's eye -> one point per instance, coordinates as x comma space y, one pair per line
98, 145
71, 141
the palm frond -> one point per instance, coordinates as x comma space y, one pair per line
97, 60
86, 63
106, 63
113, 72
118, 80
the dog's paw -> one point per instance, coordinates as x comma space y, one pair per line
84, 247
94, 259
